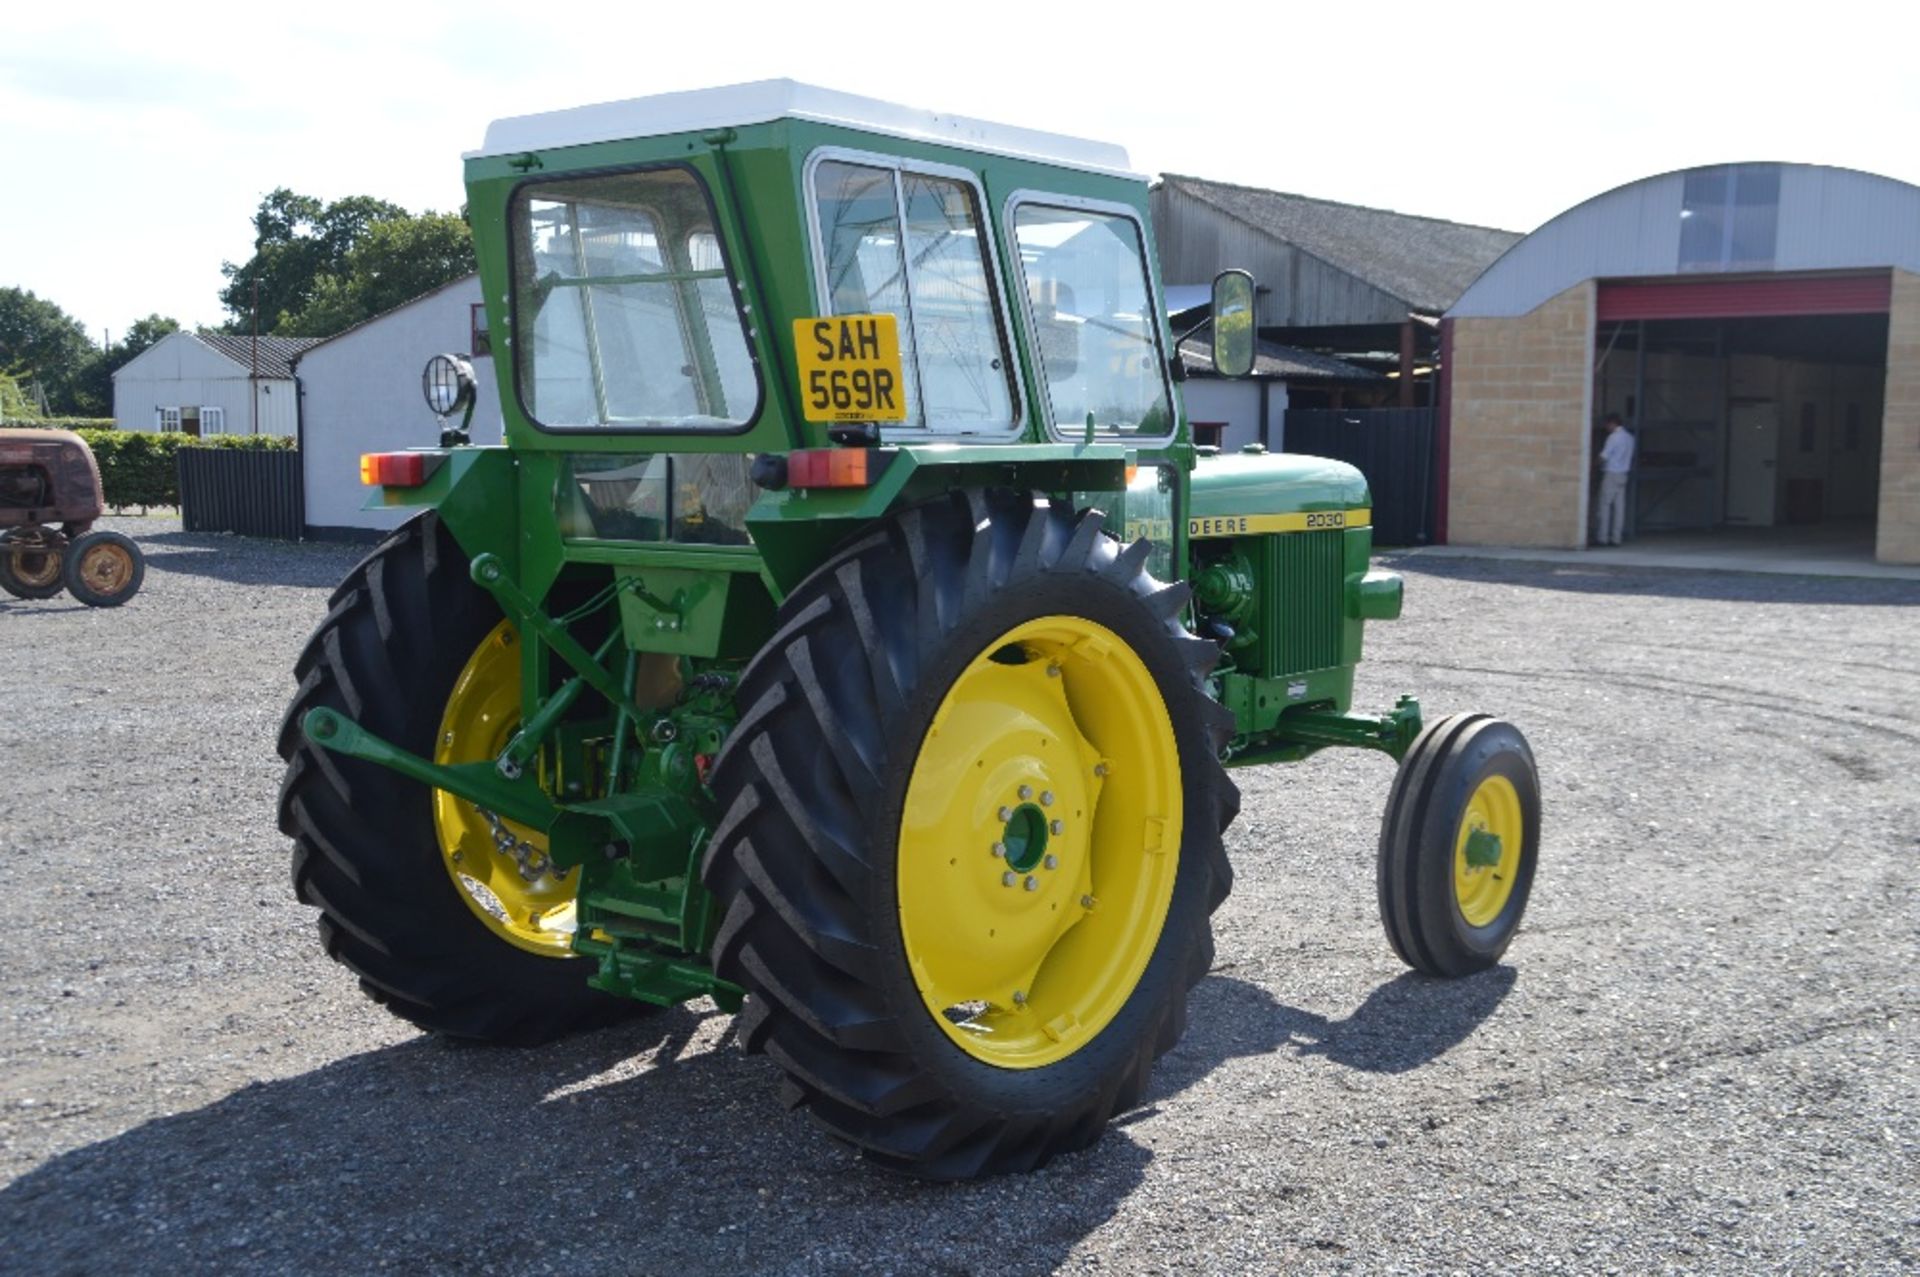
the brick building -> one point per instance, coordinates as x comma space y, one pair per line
1756, 325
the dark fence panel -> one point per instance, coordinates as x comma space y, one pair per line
256, 494
1393, 447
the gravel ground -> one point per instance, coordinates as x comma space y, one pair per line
1701, 1054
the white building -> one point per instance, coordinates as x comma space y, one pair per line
210, 384
360, 392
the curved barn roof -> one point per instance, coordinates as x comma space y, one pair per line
1824, 219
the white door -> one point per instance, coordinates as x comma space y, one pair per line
1753, 459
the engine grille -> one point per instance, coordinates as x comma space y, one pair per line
1303, 601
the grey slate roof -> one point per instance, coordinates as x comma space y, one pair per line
1424, 261
276, 353
1270, 359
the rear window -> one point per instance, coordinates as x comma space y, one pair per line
626, 316
898, 241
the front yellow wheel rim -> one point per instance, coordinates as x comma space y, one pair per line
1040, 842
536, 912
1482, 879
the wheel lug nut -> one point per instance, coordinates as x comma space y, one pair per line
999, 850
1058, 827
1046, 798
1006, 879
1101, 769
1053, 670
1019, 998
1052, 862
1033, 883
1006, 814
1026, 791
1086, 902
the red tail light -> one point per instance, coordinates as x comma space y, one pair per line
835, 467
398, 469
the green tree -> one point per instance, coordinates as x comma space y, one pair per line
40, 342
141, 334
395, 260
323, 267
14, 404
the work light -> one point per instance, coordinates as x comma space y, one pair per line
448, 384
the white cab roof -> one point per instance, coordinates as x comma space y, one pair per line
766, 100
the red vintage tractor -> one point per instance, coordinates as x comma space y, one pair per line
48, 477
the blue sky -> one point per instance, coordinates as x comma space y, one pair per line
139, 138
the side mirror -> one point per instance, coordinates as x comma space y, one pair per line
1233, 323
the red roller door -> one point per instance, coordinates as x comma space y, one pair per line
1862, 294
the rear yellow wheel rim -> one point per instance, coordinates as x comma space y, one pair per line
1483, 890
1040, 842
481, 715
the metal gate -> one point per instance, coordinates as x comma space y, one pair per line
1392, 447
256, 493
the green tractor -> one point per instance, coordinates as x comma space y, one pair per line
849, 632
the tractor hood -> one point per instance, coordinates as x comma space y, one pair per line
1274, 483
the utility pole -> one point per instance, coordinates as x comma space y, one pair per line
253, 379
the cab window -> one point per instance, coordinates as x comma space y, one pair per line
1096, 338
625, 314
906, 243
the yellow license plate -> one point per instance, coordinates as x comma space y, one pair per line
850, 368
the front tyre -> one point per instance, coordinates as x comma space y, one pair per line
104, 569
445, 915
1458, 845
971, 838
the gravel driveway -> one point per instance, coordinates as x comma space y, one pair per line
1702, 1054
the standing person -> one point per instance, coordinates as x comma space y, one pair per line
1616, 460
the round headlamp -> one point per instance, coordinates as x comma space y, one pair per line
448, 384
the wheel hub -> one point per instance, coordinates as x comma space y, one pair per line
1486, 854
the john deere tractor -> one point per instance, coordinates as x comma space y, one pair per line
849, 632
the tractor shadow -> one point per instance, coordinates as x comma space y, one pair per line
655, 1146
652, 1146
1405, 1023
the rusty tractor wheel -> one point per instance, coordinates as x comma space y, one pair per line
31, 562
104, 569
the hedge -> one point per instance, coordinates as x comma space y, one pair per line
137, 467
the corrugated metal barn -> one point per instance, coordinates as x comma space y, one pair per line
1757, 328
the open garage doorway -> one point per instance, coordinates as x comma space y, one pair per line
1756, 435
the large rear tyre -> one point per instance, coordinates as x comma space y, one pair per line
104, 569
971, 838
1458, 845
31, 562
441, 912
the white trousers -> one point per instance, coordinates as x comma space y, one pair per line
1613, 508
